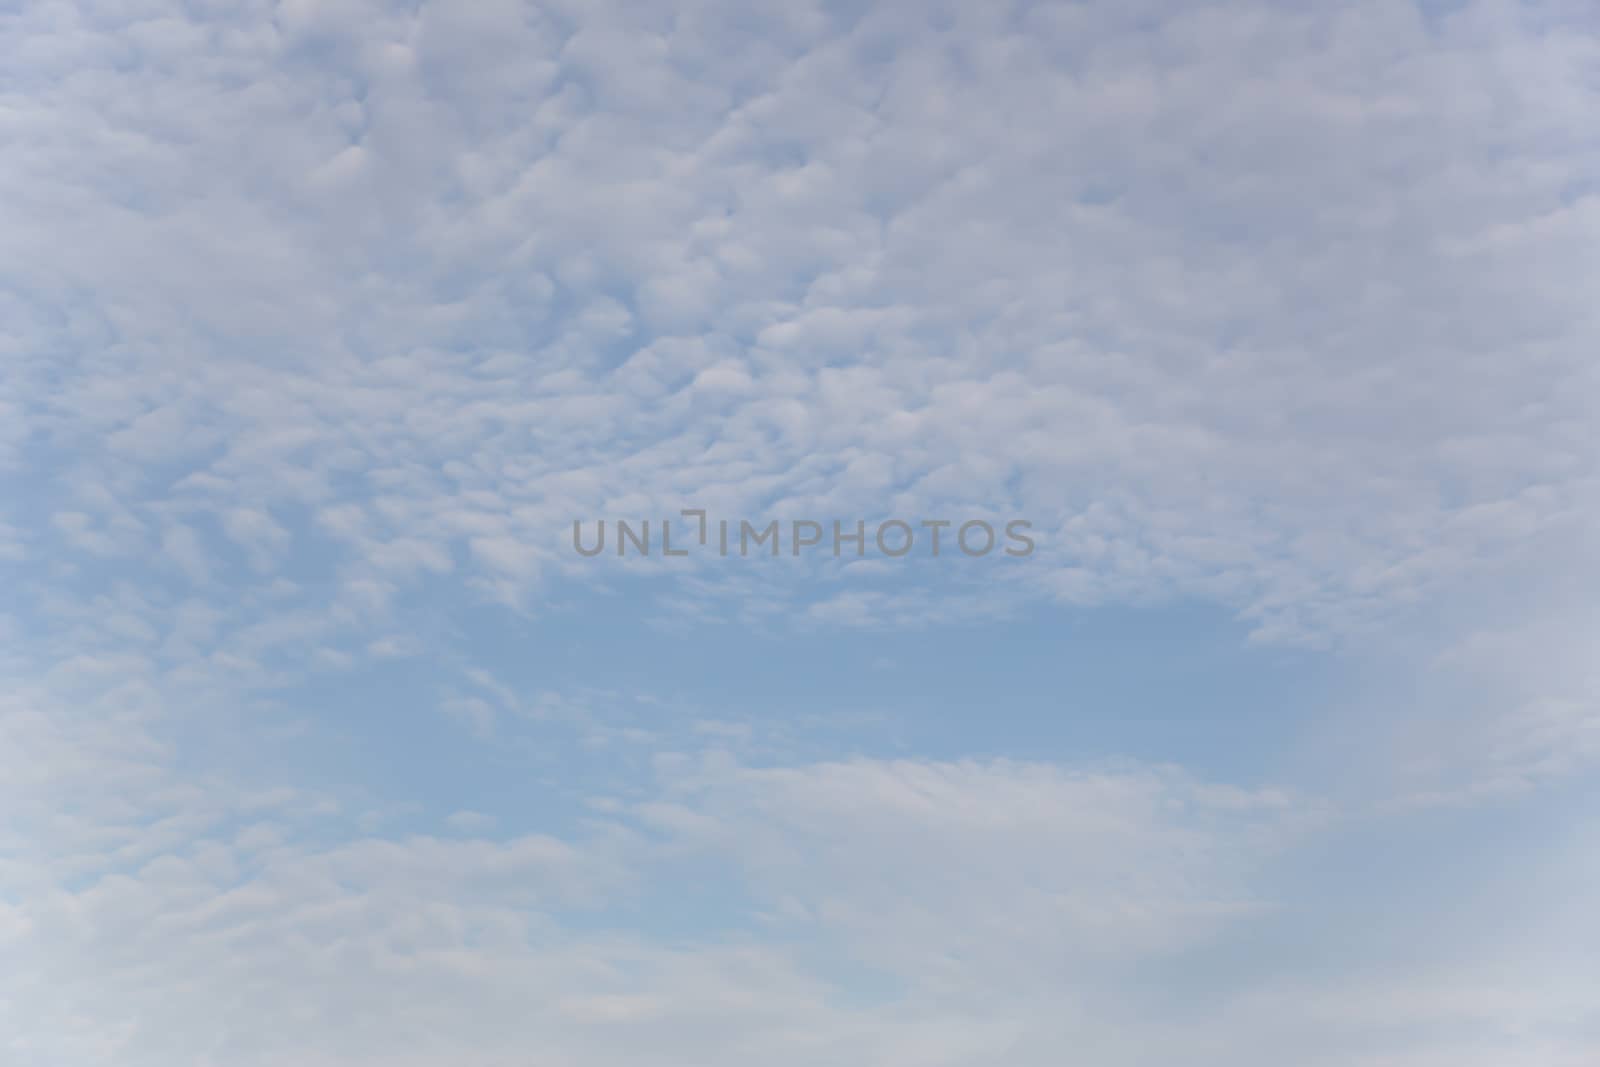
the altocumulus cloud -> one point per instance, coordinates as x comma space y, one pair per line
321, 322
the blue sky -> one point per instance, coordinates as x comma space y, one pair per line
322, 321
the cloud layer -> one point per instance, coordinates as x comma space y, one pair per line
321, 321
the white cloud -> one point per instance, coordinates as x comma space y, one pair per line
1282, 308
1252, 368
894, 912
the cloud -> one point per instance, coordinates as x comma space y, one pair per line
904, 911
322, 322
1223, 304
174, 917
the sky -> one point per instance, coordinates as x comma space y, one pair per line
323, 321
